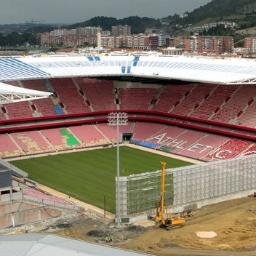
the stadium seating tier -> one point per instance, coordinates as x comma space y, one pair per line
233, 104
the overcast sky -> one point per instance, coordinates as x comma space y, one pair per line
70, 11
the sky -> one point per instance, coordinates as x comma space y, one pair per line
71, 11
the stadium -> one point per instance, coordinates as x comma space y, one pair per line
195, 113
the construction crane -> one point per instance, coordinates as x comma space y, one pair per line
164, 219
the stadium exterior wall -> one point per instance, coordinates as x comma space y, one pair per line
188, 187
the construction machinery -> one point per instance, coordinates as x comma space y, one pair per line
164, 219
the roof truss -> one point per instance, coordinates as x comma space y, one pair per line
15, 97
12, 94
247, 81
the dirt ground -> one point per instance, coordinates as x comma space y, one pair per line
234, 222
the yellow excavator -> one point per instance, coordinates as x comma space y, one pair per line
164, 219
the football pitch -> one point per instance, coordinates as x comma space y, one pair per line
90, 175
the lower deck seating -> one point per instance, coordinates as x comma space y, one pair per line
110, 133
143, 131
194, 144
43, 197
176, 140
8, 147
31, 142
251, 150
60, 139
88, 135
231, 149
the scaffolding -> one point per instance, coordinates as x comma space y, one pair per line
190, 185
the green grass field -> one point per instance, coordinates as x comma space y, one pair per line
90, 175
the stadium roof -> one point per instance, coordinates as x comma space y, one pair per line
10, 94
194, 69
50, 245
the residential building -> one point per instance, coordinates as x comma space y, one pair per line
121, 30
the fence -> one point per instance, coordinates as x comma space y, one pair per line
200, 184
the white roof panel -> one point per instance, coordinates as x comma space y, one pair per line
198, 69
45, 245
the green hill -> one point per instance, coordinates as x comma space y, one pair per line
138, 24
241, 11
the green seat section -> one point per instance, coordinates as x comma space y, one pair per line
70, 139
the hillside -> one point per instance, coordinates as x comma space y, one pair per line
138, 24
241, 11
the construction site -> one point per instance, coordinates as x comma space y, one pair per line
126, 152
223, 229
203, 227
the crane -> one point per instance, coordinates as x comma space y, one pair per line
164, 219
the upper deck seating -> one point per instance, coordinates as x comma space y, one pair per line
69, 96
99, 93
44, 106
136, 98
